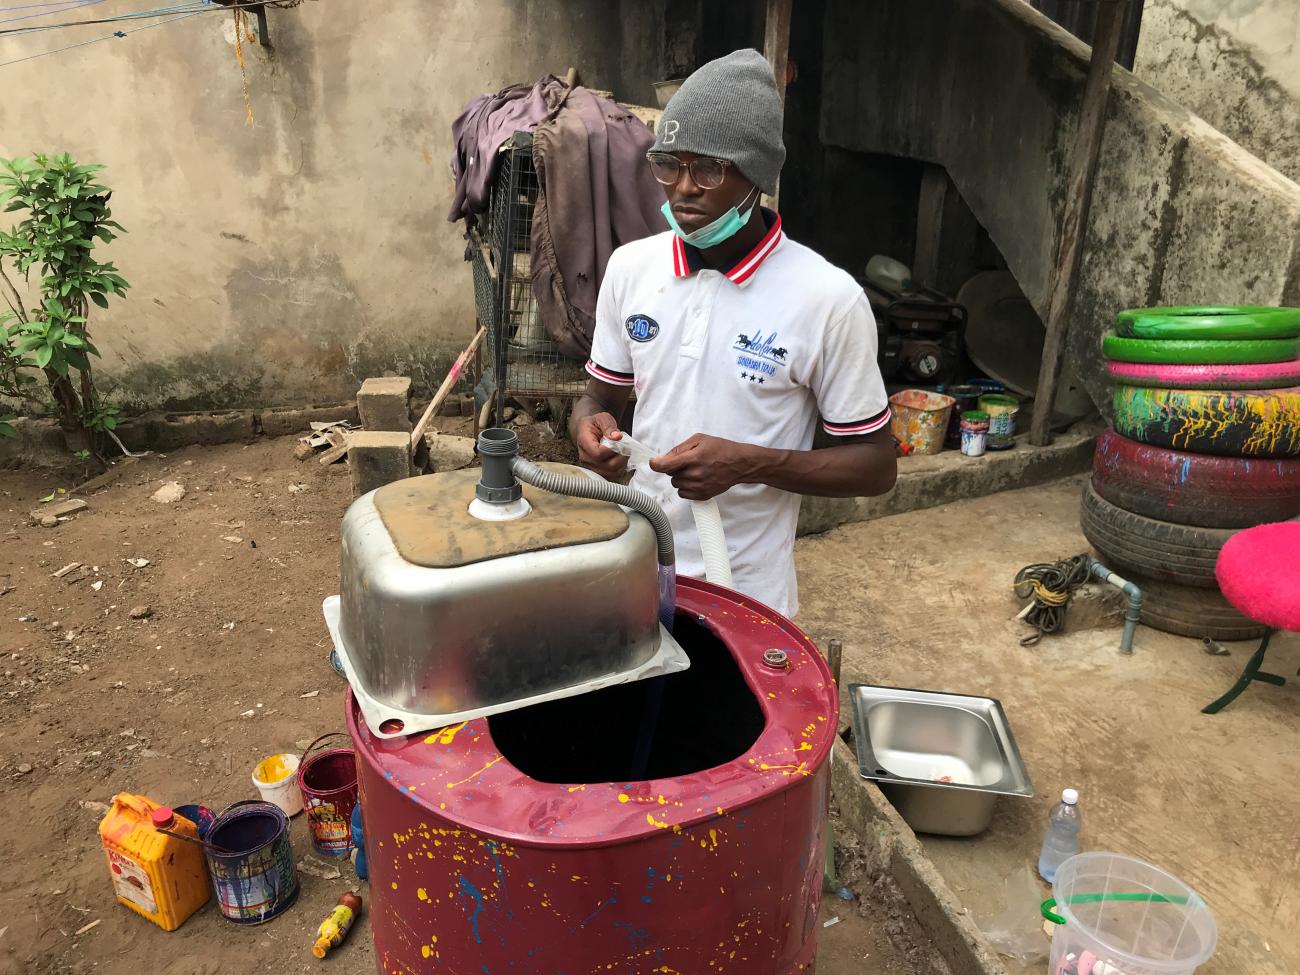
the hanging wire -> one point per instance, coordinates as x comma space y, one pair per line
63, 6
200, 6
106, 37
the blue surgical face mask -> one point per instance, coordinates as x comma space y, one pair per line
715, 232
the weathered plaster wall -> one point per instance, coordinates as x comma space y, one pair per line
1235, 63
283, 263
1181, 214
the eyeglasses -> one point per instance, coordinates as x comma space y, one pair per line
706, 172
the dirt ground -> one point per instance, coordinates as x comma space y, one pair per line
95, 702
922, 600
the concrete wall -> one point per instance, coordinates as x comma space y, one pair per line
1182, 215
1235, 63
283, 263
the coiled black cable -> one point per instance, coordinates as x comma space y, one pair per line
1049, 586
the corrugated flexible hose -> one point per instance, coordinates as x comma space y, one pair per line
601, 490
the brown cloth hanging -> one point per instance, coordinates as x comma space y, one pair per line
596, 193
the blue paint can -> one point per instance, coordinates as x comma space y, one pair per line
251, 862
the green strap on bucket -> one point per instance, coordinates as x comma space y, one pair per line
1050, 915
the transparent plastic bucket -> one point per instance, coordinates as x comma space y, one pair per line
1125, 917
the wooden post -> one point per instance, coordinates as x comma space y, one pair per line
929, 225
1078, 201
452, 375
776, 48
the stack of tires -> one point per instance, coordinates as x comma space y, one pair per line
1206, 441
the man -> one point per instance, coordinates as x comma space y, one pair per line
735, 338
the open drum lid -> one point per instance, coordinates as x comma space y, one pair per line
385, 721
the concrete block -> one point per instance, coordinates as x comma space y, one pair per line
385, 403
449, 453
378, 457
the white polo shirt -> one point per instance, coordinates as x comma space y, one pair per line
753, 355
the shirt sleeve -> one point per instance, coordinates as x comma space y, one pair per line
611, 360
847, 382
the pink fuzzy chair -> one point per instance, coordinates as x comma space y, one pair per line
1259, 573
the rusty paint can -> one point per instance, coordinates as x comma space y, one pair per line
328, 782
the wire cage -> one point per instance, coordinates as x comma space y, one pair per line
522, 358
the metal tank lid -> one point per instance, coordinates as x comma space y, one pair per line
460, 775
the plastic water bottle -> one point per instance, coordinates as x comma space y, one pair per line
1061, 841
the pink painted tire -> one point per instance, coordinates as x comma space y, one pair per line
1194, 489
1262, 375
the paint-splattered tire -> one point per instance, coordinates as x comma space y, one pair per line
1195, 489
1260, 423
1215, 351
1200, 322
1197, 613
1156, 549
1258, 375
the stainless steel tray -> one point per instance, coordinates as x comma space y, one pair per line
385, 721
941, 759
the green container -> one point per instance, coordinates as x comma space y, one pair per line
1002, 410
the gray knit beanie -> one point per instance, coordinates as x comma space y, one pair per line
729, 108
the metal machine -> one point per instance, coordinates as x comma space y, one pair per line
920, 330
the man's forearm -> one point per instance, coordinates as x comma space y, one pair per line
862, 469
586, 406
599, 398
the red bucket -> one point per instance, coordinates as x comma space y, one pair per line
328, 782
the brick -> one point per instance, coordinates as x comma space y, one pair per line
385, 403
376, 458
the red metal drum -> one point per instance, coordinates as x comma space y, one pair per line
508, 844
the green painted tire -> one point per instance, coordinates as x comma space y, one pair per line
1203, 322
1205, 421
1217, 352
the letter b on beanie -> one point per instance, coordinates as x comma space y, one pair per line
729, 108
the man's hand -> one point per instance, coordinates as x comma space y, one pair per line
587, 433
703, 467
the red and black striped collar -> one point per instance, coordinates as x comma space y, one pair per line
687, 259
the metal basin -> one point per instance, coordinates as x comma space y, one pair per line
941, 759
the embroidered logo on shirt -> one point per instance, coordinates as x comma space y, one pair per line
640, 328
759, 356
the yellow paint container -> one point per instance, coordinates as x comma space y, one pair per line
275, 778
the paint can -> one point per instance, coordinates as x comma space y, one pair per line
974, 432
1002, 410
251, 862
328, 782
967, 396
201, 816
276, 780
